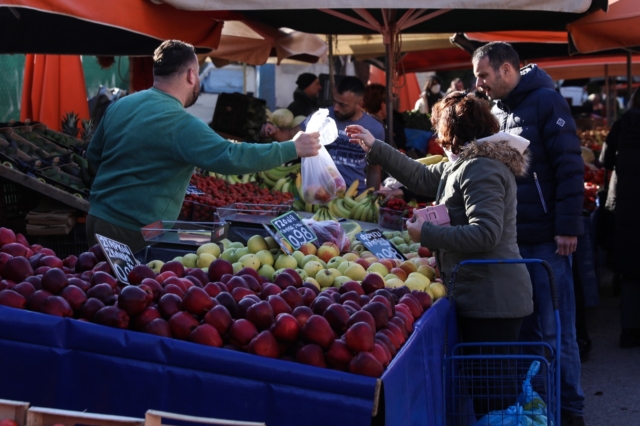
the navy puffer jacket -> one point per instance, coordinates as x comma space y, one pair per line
550, 196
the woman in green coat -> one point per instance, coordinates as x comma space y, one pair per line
478, 188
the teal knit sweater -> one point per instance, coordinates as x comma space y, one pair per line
145, 149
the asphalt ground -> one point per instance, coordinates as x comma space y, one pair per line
611, 376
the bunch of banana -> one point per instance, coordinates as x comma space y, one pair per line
366, 209
286, 184
323, 213
273, 176
413, 203
311, 208
233, 179
432, 159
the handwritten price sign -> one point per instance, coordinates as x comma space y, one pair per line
377, 244
293, 230
120, 257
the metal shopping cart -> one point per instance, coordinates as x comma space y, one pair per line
484, 381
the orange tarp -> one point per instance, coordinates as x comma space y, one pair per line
161, 21
53, 85
619, 27
409, 90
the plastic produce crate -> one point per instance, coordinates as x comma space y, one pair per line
15, 202
14, 410
392, 219
40, 416
64, 245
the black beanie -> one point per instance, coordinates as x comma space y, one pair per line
305, 79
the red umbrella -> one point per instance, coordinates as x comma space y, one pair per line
53, 85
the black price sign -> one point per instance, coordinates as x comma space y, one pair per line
293, 230
120, 257
377, 244
192, 189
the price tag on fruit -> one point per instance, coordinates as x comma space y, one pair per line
192, 189
120, 257
293, 230
377, 244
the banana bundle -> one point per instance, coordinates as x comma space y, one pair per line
277, 177
233, 179
323, 213
432, 159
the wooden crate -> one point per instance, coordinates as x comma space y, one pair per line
154, 418
39, 416
14, 410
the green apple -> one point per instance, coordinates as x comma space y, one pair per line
404, 248
155, 265
272, 243
323, 263
312, 267
285, 261
438, 289
414, 246
379, 268
235, 257
397, 234
387, 234
414, 283
235, 244
406, 237
335, 262
308, 258
356, 272
419, 276
298, 255
225, 243
344, 265
351, 257
359, 248
226, 255
205, 259
312, 281
211, 248
177, 259
341, 280
237, 266
391, 277
394, 283
326, 277
257, 243
303, 274
250, 261
266, 271
265, 257
398, 240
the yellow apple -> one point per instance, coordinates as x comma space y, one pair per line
308, 258
237, 266
226, 255
225, 243
414, 283
419, 276
344, 265
312, 268
379, 268
250, 261
298, 255
427, 271
235, 257
356, 272
272, 243
351, 257
327, 251
391, 277
438, 290
312, 281
340, 280
326, 277
205, 259
189, 260
155, 265
285, 261
303, 274
211, 248
393, 283
308, 248
235, 244
335, 262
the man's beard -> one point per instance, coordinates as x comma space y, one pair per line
194, 97
344, 117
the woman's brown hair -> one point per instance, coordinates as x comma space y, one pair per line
462, 117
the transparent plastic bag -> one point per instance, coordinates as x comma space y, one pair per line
321, 180
329, 231
530, 409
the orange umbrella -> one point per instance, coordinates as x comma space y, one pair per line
619, 27
53, 85
409, 89
121, 27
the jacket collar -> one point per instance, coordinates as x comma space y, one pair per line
504, 147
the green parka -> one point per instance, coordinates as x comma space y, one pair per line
479, 191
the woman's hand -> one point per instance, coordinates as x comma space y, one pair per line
414, 228
360, 135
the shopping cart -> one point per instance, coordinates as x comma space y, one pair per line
483, 378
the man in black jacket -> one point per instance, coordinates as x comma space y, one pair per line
305, 97
550, 199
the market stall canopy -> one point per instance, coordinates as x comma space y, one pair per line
619, 27
371, 46
587, 67
121, 27
53, 85
253, 43
411, 16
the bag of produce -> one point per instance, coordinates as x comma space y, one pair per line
329, 231
321, 180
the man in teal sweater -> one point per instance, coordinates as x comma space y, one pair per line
146, 146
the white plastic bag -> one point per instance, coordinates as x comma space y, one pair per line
321, 180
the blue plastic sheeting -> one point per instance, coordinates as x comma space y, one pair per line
69, 364
418, 139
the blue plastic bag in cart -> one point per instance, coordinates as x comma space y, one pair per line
529, 410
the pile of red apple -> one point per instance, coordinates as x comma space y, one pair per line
356, 328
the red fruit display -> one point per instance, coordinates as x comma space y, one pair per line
339, 355
292, 296
17, 269
17, 249
286, 328
140, 321
139, 273
12, 299
7, 236
241, 332
112, 316
379, 312
103, 292
89, 309
159, 327
86, 261
74, 296
220, 318
264, 344
206, 334
366, 364
169, 305
317, 330
182, 324
278, 305
25, 288
311, 354
261, 315
337, 316
218, 268
197, 301
34, 302
133, 300
269, 289
56, 305
360, 337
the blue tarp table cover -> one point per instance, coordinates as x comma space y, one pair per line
69, 364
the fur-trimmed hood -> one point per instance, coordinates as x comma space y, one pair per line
511, 150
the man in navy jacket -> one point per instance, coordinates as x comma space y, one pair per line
550, 198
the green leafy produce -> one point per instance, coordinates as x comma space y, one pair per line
417, 120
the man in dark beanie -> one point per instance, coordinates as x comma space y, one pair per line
305, 97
